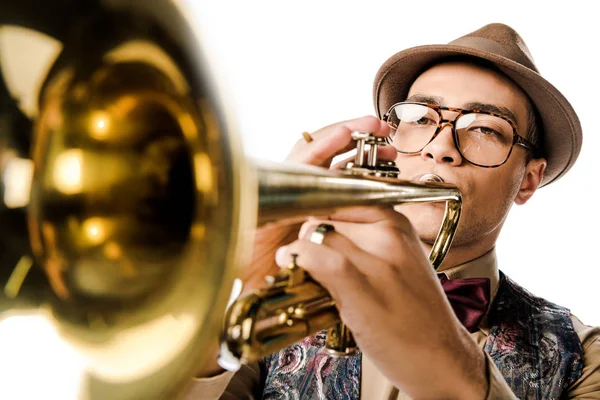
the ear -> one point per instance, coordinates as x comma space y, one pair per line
534, 172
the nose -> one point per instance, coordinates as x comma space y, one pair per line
442, 148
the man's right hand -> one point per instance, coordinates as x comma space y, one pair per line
328, 142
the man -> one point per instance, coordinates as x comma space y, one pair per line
476, 114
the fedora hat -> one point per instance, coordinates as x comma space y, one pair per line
505, 49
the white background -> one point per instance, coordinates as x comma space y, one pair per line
285, 67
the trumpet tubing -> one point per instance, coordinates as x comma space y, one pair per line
293, 305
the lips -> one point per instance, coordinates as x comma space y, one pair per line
428, 178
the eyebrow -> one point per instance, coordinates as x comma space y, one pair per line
475, 105
421, 98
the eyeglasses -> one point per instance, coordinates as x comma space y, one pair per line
482, 138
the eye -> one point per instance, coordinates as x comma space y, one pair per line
490, 134
421, 121
424, 121
485, 126
484, 130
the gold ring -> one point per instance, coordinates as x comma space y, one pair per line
318, 236
307, 137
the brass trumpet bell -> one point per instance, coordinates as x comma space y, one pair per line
135, 203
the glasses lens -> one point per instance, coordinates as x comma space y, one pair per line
413, 126
484, 139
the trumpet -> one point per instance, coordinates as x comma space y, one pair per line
130, 200
293, 306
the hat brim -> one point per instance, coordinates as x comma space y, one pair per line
560, 124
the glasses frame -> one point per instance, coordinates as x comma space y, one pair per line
517, 139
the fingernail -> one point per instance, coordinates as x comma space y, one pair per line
304, 228
280, 256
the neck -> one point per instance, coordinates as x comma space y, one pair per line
461, 253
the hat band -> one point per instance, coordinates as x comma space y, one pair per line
491, 46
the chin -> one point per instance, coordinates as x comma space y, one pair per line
426, 218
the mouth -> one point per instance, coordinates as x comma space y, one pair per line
429, 178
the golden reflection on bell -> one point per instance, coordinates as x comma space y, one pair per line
67, 171
134, 192
96, 230
100, 125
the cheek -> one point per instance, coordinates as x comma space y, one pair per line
491, 197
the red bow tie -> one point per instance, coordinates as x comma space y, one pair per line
469, 298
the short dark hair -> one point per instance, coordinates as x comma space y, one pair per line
534, 132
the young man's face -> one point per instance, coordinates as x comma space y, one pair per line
488, 193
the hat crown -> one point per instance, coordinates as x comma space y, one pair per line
504, 48
499, 39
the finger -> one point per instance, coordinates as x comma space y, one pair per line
385, 152
328, 266
368, 123
360, 248
335, 139
369, 215
351, 229
390, 245
347, 221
